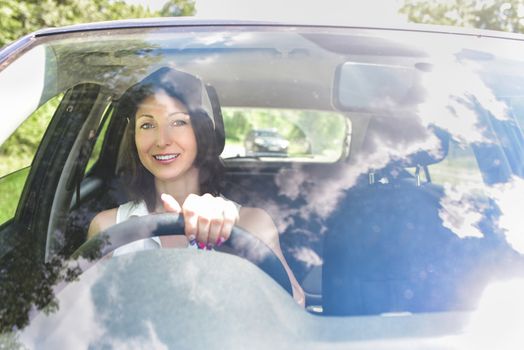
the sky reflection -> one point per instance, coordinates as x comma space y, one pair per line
452, 97
508, 196
454, 93
461, 211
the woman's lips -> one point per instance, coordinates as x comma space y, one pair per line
166, 158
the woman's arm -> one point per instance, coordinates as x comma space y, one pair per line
258, 222
101, 221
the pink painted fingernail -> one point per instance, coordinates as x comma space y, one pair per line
201, 245
220, 241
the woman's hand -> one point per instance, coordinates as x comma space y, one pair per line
208, 219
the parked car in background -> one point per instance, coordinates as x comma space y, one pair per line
401, 216
265, 142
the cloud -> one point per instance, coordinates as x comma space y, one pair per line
307, 256
508, 196
458, 108
461, 211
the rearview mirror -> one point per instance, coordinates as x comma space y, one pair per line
369, 87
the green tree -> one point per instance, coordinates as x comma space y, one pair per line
506, 15
23, 17
236, 124
178, 8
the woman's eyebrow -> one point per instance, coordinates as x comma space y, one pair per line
145, 116
178, 112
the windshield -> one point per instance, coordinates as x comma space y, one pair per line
389, 162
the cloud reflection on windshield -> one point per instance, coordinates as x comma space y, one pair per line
74, 332
461, 211
308, 256
454, 99
454, 93
507, 196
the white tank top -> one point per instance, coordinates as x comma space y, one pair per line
126, 211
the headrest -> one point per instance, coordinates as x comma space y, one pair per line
217, 117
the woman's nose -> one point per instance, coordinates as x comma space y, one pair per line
163, 137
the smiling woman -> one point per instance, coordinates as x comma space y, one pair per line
171, 150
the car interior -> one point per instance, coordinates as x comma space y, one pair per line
403, 274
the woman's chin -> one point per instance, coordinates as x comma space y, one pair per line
167, 177
171, 176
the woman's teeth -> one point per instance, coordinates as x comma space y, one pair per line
166, 156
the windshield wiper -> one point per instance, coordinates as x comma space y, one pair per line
238, 156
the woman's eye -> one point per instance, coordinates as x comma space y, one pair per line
146, 126
178, 122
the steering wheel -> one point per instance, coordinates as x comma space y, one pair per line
240, 243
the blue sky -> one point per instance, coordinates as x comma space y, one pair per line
374, 11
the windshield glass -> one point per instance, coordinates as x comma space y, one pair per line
390, 163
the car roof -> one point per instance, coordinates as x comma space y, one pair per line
194, 21
8, 50
234, 96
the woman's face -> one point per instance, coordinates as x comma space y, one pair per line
164, 137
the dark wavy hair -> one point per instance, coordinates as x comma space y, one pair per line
191, 92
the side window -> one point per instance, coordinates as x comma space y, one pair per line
16, 156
